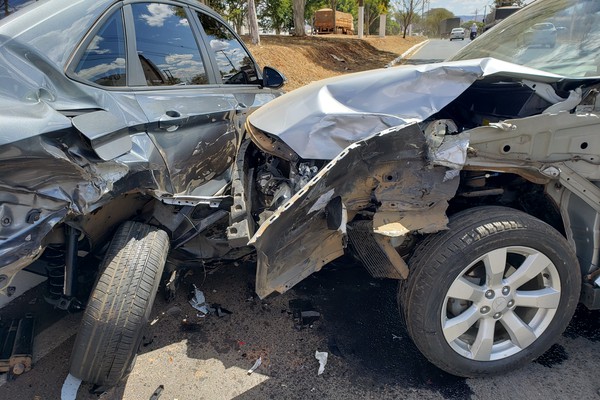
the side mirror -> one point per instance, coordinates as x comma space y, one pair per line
272, 78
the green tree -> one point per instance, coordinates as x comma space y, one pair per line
373, 9
276, 15
433, 19
505, 3
408, 11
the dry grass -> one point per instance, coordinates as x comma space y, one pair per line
306, 59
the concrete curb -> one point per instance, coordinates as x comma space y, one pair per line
408, 52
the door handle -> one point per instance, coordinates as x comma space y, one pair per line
172, 120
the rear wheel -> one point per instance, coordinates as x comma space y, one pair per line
490, 294
120, 304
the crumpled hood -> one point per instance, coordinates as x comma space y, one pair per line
321, 119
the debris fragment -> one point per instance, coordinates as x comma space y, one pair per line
147, 341
322, 357
70, 388
255, 366
16, 346
309, 317
188, 326
303, 313
219, 311
394, 337
336, 58
174, 311
333, 347
198, 301
157, 392
154, 321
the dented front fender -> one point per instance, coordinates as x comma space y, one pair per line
393, 170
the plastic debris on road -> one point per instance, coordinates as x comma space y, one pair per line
70, 388
157, 392
322, 357
303, 313
198, 301
255, 366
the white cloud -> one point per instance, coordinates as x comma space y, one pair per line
177, 58
101, 69
158, 14
218, 45
95, 46
461, 7
182, 66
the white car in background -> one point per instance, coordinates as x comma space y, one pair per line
457, 33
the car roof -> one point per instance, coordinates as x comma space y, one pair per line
55, 27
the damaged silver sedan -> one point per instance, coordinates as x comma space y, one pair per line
474, 182
119, 124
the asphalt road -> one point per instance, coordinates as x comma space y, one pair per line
369, 353
436, 50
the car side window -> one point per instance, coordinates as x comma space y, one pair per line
103, 61
166, 46
234, 62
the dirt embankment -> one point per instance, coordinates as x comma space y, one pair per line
306, 59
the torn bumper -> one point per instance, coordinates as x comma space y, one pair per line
390, 170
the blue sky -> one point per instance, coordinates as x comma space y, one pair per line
462, 7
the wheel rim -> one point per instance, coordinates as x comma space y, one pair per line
501, 303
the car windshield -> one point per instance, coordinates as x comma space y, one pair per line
557, 36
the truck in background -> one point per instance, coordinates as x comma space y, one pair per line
446, 26
498, 14
325, 22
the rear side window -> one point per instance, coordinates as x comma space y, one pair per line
166, 46
103, 61
233, 61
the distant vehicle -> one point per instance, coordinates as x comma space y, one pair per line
457, 33
324, 22
498, 15
446, 26
541, 34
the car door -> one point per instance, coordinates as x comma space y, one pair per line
195, 119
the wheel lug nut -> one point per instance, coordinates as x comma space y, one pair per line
489, 294
505, 290
497, 315
485, 310
511, 303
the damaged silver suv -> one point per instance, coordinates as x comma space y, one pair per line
472, 182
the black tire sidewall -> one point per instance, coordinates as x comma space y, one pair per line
426, 328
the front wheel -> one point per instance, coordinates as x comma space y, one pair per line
491, 293
120, 304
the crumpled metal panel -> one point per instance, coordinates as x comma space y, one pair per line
391, 168
321, 119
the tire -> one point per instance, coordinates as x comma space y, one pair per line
474, 317
120, 304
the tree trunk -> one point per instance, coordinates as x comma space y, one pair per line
298, 8
333, 4
253, 23
6, 10
361, 19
